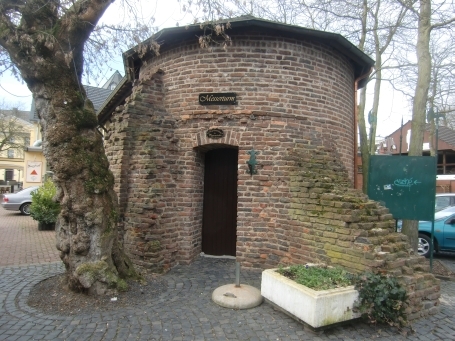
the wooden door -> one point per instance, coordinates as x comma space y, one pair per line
219, 222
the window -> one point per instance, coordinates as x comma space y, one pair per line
9, 174
11, 153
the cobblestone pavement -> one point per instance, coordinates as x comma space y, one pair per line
184, 312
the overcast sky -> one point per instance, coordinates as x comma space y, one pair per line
14, 93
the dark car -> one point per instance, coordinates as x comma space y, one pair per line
19, 201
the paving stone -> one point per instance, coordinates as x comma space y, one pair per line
184, 312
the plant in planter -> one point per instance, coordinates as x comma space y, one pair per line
321, 296
317, 295
43, 208
317, 277
381, 299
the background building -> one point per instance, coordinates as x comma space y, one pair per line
15, 135
446, 151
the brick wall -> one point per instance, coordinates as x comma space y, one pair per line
271, 75
295, 107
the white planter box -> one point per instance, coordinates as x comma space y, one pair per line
316, 308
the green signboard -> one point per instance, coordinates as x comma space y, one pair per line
406, 185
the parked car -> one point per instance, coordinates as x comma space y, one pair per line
444, 229
444, 200
444, 232
19, 201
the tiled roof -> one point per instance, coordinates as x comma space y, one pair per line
20, 121
444, 134
447, 135
23, 115
97, 95
116, 98
167, 37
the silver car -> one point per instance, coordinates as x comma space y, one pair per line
444, 200
19, 201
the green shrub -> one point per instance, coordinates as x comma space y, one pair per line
43, 208
317, 277
382, 299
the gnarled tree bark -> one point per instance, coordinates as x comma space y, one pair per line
45, 41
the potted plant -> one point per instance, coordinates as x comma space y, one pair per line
44, 208
318, 302
321, 296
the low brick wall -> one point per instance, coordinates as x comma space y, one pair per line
340, 226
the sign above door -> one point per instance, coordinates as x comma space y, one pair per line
227, 98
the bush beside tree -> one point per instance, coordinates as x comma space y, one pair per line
44, 208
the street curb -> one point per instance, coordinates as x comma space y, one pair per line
446, 278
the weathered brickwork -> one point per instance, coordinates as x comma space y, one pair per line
295, 107
337, 225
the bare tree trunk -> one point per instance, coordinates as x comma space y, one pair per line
374, 110
431, 99
420, 100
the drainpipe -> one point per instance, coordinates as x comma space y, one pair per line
356, 113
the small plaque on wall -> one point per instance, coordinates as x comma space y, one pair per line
227, 98
215, 133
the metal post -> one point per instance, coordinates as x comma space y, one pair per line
237, 274
370, 121
431, 245
436, 116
